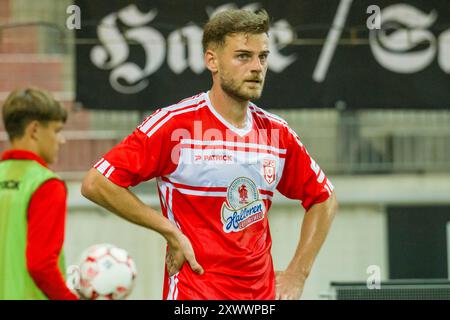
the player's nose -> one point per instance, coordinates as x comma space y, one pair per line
257, 65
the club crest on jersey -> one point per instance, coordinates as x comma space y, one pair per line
269, 170
243, 206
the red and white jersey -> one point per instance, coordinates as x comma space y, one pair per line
216, 183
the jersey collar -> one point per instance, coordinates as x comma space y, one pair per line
239, 131
22, 155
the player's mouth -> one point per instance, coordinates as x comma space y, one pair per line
254, 81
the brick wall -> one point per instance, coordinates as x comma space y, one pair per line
5, 10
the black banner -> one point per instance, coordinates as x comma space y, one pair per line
356, 54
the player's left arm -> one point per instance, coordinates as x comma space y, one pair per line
314, 230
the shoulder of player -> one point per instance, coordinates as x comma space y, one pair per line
186, 105
272, 119
173, 116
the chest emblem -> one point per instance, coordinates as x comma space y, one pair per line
269, 170
243, 206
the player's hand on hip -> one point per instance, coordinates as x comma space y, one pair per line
288, 285
181, 251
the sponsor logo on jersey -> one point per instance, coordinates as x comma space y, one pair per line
218, 158
243, 206
269, 170
10, 184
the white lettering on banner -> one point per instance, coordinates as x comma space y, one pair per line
128, 77
183, 47
327, 53
444, 51
176, 60
394, 50
281, 34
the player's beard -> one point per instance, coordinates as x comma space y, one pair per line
239, 89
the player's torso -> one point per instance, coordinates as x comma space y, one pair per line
220, 192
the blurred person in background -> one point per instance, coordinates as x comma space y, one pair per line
32, 199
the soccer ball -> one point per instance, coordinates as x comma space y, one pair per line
106, 272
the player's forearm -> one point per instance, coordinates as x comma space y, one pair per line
48, 278
315, 227
124, 203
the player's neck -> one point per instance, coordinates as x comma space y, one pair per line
25, 144
232, 110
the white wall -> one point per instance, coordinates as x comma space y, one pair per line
147, 248
356, 240
358, 237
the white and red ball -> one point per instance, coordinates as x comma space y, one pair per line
106, 272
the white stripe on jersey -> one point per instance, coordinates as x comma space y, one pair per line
151, 121
330, 185
163, 186
109, 172
163, 112
265, 114
159, 125
273, 117
202, 193
169, 205
176, 287
321, 177
98, 162
232, 144
296, 137
173, 287
103, 166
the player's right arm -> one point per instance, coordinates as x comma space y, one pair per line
127, 205
143, 155
124, 203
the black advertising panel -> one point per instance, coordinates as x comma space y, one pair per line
362, 54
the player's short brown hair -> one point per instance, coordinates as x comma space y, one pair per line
233, 21
25, 105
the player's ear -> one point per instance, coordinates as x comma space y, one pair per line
32, 129
211, 60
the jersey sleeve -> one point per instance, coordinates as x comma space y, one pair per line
141, 156
45, 238
302, 179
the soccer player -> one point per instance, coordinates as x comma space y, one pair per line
218, 159
32, 199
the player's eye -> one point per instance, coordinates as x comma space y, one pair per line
243, 56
